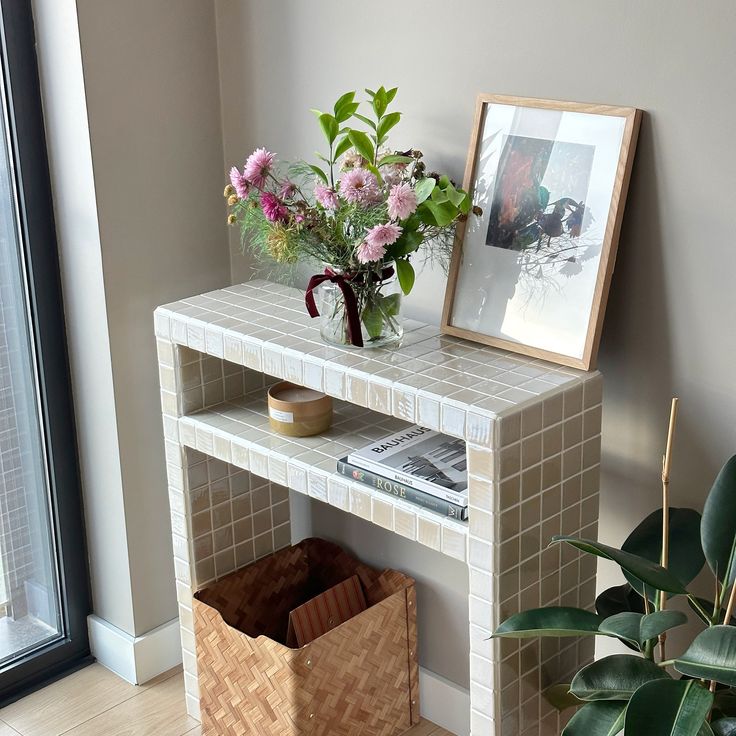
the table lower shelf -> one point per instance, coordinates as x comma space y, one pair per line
238, 432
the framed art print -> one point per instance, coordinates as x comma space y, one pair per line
531, 273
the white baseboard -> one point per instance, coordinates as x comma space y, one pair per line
444, 703
136, 659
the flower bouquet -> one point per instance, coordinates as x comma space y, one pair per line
362, 213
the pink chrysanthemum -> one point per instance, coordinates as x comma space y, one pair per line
376, 240
239, 182
402, 202
258, 166
360, 186
287, 189
326, 197
272, 208
367, 252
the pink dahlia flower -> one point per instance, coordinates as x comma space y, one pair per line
326, 197
360, 186
383, 234
287, 189
272, 208
239, 182
258, 166
402, 202
367, 252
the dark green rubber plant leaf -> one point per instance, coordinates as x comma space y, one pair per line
711, 656
658, 622
625, 626
560, 697
615, 677
620, 599
604, 718
668, 708
725, 701
642, 569
552, 621
724, 727
718, 530
686, 558
638, 629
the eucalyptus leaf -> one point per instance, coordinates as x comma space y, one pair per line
443, 213
373, 320
686, 558
551, 621
362, 144
454, 195
724, 727
424, 188
711, 656
466, 203
390, 304
405, 274
668, 708
641, 568
718, 528
615, 677
603, 718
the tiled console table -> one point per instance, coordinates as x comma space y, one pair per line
533, 439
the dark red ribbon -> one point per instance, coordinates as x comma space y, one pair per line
351, 303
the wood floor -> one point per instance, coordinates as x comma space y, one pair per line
95, 702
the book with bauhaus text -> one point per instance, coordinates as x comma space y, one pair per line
419, 458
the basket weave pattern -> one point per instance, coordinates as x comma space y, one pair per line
359, 679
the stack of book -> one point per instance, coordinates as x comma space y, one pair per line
417, 464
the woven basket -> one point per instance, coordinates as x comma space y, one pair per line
359, 679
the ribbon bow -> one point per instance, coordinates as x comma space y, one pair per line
351, 303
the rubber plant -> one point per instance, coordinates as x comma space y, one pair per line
646, 693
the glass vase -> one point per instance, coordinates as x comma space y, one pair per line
379, 309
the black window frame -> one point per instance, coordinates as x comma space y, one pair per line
24, 117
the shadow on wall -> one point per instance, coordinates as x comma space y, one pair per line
637, 349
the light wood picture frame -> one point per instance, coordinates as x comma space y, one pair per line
531, 273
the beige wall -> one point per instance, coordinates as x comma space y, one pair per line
141, 223
670, 325
153, 102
